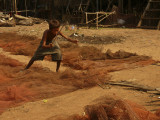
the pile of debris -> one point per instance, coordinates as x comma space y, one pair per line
7, 21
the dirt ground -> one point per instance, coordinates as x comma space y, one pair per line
41, 94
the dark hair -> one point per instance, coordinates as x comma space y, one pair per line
54, 24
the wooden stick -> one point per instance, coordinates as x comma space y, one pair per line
134, 86
96, 18
107, 16
102, 19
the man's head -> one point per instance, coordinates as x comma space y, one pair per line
54, 24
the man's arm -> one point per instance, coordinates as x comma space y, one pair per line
70, 40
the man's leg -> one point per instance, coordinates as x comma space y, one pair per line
30, 63
58, 65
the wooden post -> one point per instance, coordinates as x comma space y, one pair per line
87, 19
26, 7
15, 5
97, 20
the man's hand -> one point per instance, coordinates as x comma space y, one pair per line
75, 41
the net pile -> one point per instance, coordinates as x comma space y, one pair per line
119, 109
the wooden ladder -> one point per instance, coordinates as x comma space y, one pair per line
151, 15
